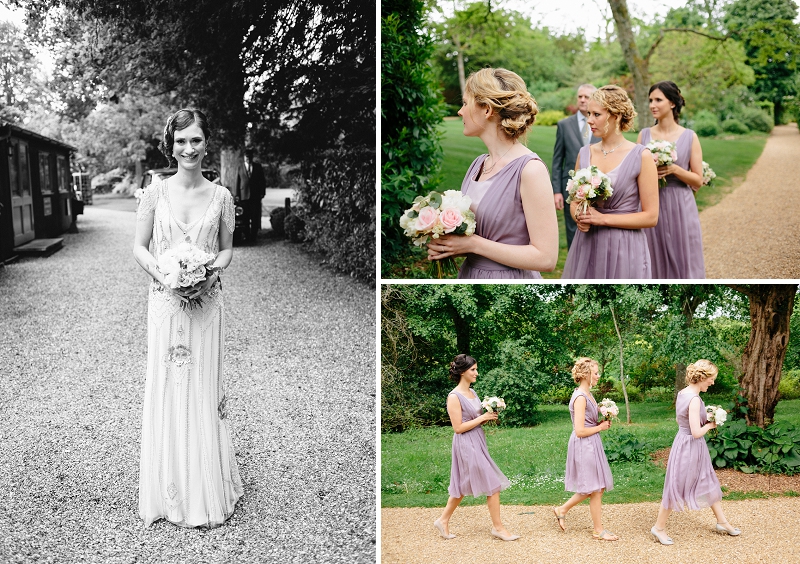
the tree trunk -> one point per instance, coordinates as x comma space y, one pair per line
637, 64
229, 160
621, 365
462, 332
462, 78
770, 312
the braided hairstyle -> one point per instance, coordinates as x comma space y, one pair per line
583, 369
505, 92
700, 370
181, 119
461, 363
617, 103
673, 94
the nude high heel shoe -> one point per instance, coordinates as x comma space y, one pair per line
508, 537
440, 528
666, 540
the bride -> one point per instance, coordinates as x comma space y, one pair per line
188, 472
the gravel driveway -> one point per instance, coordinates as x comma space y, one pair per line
300, 374
770, 528
753, 231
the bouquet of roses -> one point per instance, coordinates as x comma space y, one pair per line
436, 214
492, 404
185, 266
608, 409
708, 174
587, 186
716, 414
664, 153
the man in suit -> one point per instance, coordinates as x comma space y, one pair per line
572, 133
251, 187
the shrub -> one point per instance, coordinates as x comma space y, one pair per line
276, 219
757, 119
557, 395
789, 386
775, 449
549, 117
658, 394
509, 383
294, 227
624, 446
706, 124
734, 126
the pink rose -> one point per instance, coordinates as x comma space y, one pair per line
570, 182
596, 181
603, 410
674, 156
427, 218
580, 194
451, 218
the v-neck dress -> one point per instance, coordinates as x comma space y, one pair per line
188, 472
612, 252
587, 466
676, 242
473, 472
499, 217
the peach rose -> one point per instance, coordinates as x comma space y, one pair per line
596, 181
451, 218
427, 218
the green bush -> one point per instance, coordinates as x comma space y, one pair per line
658, 394
775, 449
624, 446
549, 117
557, 100
757, 119
294, 227
510, 383
276, 218
789, 386
556, 394
706, 124
734, 126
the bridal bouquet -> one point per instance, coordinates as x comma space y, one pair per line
608, 409
587, 186
436, 214
708, 174
716, 414
493, 404
185, 266
664, 153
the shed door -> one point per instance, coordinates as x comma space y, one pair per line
19, 172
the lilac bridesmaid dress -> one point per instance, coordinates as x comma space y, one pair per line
498, 209
675, 243
611, 252
587, 466
691, 480
473, 472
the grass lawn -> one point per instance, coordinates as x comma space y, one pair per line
730, 157
415, 465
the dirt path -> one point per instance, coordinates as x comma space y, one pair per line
752, 232
769, 529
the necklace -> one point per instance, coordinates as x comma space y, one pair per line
488, 170
606, 153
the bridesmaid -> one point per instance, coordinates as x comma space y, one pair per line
691, 481
473, 472
610, 240
675, 243
588, 473
517, 231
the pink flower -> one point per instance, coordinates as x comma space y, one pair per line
580, 194
604, 410
427, 218
570, 182
596, 181
451, 218
674, 156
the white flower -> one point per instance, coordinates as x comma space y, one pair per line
455, 199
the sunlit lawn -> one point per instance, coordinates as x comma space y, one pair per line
730, 157
415, 465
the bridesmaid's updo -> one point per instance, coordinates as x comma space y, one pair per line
461, 364
673, 94
700, 370
505, 92
181, 120
617, 103
583, 369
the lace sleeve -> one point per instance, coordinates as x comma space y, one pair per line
147, 203
228, 210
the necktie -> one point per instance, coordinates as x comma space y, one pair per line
585, 132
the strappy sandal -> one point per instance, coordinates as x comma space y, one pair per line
602, 535
560, 519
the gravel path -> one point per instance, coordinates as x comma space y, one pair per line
300, 374
753, 231
769, 527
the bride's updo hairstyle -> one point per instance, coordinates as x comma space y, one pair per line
461, 364
181, 120
700, 370
505, 92
617, 103
673, 94
583, 369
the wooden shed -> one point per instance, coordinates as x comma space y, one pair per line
35, 190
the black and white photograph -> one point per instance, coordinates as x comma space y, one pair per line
187, 281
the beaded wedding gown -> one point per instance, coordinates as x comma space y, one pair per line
188, 472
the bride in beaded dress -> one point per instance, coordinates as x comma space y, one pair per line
188, 472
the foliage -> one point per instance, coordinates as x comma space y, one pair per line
705, 124
734, 126
756, 119
549, 117
23, 84
775, 449
411, 110
276, 220
624, 446
294, 226
789, 386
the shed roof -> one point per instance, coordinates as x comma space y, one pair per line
6, 129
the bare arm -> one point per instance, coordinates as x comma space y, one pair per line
141, 244
694, 420
454, 411
579, 408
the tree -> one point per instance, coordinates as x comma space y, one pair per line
23, 85
771, 308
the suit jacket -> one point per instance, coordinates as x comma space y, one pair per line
568, 142
252, 184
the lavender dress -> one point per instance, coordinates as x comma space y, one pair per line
691, 480
587, 466
675, 243
498, 209
473, 472
611, 252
